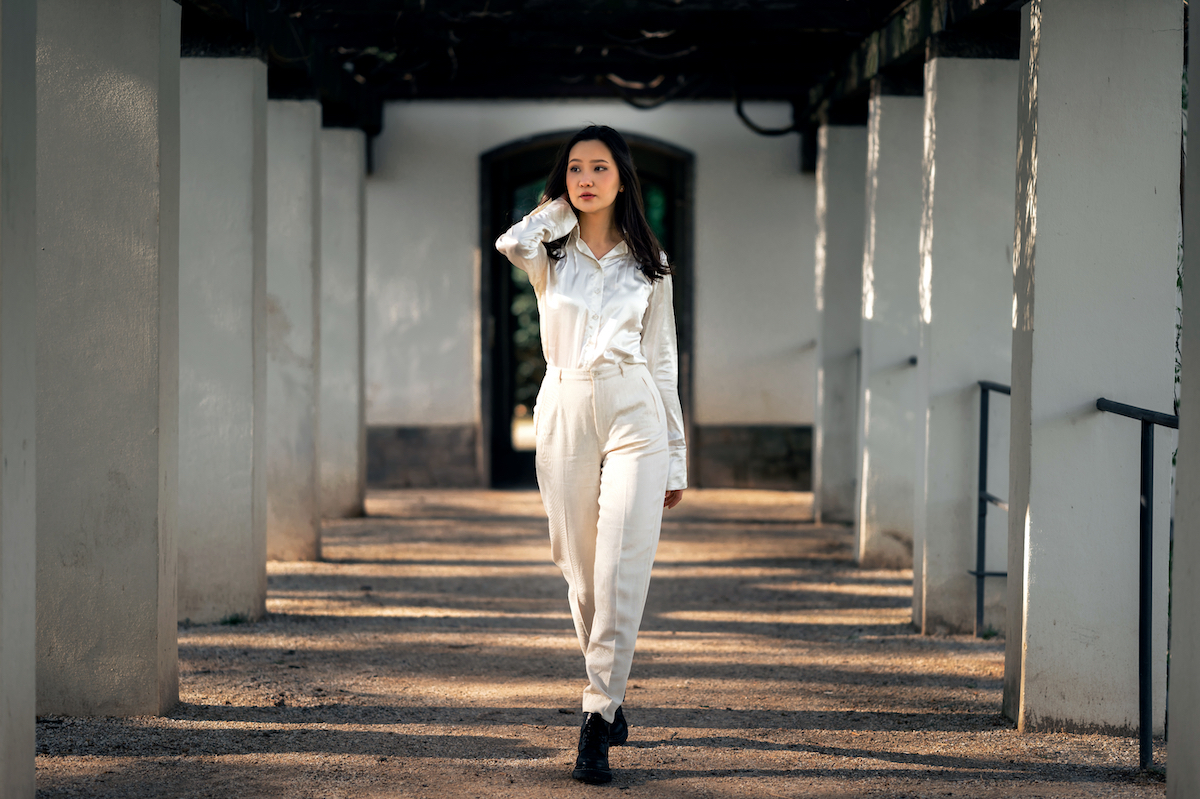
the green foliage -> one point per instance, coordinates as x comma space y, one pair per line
525, 198
656, 210
386, 56
530, 366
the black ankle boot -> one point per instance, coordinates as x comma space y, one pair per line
592, 764
618, 733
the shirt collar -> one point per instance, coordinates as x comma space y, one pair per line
619, 251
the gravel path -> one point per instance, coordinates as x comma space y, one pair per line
432, 655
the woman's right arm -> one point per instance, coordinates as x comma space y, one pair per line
523, 243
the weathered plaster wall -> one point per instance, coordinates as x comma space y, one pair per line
887, 416
965, 295
342, 449
840, 210
293, 329
754, 329
222, 339
1183, 778
107, 355
18, 297
1093, 316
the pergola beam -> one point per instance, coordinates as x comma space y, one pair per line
820, 56
903, 39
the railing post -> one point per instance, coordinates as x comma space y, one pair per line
981, 529
1148, 419
985, 388
1146, 598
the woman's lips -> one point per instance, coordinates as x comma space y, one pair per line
586, 196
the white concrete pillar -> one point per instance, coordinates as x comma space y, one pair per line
1183, 776
18, 297
222, 339
343, 445
293, 329
107, 355
1096, 234
841, 180
887, 418
965, 286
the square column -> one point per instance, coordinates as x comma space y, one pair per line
886, 438
107, 356
343, 446
841, 181
18, 298
1093, 316
1183, 777
222, 339
964, 289
293, 329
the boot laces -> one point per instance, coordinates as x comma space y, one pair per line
593, 734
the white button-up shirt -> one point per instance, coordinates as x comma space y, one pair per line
600, 310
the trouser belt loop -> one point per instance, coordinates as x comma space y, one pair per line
560, 375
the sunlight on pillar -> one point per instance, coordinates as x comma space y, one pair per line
868, 288
1027, 158
929, 173
866, 414
1024, 246
1021, 717
822, 181
864, 482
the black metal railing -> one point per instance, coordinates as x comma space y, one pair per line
985, 498
1146, 569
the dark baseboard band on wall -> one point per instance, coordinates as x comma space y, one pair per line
770, 457
753, 456
433, 456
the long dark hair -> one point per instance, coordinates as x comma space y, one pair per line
629, 211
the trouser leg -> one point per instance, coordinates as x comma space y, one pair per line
568, 472
632, 483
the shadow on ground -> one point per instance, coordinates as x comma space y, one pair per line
431, 654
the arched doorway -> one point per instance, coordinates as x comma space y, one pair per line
511, 181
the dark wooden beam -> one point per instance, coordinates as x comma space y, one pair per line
904, 39
858, 16
207, 31
821, 55
298, 66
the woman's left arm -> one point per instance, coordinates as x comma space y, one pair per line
661, 349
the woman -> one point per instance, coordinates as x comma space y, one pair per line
610, 448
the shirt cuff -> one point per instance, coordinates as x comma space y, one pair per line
559, 217
677, 470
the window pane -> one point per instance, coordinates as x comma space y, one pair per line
528, 365
656, 210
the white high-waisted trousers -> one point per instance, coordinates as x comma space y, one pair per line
602, 469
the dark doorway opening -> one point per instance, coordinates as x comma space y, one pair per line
512, 179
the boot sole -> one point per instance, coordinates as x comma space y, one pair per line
592, 776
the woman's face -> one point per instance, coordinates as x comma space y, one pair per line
592, 178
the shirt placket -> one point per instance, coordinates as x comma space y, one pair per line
594, 300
